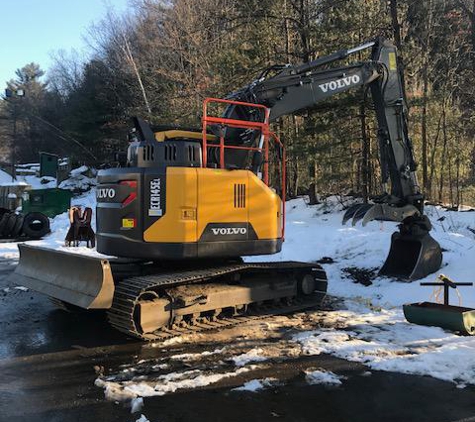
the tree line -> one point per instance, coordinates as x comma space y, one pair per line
163, 57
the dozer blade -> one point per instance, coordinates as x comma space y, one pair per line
80, 280
412, 257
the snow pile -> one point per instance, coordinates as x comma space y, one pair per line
181, 371
185, 357
28, 174
136, 405
9, 251
80, 179
385, 341
6, 180
254, 355
256, 385
318, 376
163, 384
142, 418
45, 182
78, 171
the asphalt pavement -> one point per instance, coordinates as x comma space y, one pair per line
49, 359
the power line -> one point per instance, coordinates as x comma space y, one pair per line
69, 137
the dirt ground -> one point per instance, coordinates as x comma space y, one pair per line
50, 359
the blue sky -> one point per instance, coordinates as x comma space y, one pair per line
30, 30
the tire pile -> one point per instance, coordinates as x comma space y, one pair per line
33, 225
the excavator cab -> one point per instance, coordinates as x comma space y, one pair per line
190, 195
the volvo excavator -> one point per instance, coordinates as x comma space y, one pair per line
174, 222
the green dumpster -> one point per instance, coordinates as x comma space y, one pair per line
50, 202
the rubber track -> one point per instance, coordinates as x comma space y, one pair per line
128, 292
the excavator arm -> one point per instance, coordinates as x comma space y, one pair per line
297, 88
290, 89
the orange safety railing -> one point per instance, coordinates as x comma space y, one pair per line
263, 127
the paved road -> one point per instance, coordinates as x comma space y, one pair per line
47, 360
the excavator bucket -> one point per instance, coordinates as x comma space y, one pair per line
412, 257
414, 254
80, 280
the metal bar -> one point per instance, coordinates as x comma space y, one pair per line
205, 140
234, 122
221, 151
360, 47
221, 100
443, 284
283, 182
235, 147
284, 188
266, 160
263, 127
339, 55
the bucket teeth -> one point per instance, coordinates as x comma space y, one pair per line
385, 212
350, 212
381, 212
360, 213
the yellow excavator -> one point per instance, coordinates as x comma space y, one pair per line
174, 221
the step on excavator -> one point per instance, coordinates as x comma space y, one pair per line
176, 219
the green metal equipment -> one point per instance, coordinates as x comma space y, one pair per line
449, 317
48, 164
50, 202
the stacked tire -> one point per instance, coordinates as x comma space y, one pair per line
33, 225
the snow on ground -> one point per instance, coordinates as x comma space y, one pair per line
6, 180
384, 341
136, 405
142, 418
256, 385
372, 329
45, 182
314, 232
170, 372
59, 228
319, 376
79, 179
162, 384
254, 355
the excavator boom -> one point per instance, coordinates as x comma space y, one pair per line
296, 88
